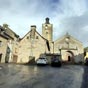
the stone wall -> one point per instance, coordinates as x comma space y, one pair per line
72, 48
28, 47
3, 47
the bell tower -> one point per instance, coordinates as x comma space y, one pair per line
47, 31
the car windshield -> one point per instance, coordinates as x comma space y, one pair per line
41, 58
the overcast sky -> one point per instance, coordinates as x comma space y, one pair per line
66, 16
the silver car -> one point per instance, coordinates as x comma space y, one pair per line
42, 61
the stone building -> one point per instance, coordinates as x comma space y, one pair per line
7, 43
70, 48
35, 45
31, 45
3, 45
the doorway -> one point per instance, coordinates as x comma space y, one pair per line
0, 56
70, 56
15, 58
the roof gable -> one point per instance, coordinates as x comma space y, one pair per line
8, 31
28, 34
71, 39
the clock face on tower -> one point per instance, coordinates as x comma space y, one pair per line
46, 26
47, 30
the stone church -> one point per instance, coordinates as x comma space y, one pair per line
35, 45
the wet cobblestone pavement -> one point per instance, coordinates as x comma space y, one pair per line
22, 76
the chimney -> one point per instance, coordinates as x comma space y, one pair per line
33, 30
5, 26
33, 27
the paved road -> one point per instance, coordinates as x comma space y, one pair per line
20, 76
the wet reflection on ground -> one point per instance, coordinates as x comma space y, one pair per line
23, 76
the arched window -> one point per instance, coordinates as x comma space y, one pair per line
0, 43
37, 37
46, 33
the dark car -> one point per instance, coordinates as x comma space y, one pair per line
56, 62
86, 61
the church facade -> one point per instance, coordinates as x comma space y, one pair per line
35, 45
70, 48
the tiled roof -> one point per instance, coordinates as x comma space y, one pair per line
4, 34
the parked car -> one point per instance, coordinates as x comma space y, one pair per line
86, 61
56, 62
42, 61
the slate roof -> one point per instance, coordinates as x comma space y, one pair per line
7, 33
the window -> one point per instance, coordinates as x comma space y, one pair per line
46, 33
15, 50
0, 30
27, 37
37, 37
0, 43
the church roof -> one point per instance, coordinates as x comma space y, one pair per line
67, 35
8, 31
37, 33
4, 34
1, 35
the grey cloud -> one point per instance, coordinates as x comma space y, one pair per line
4, 4
63, 15
27, 7
75, 26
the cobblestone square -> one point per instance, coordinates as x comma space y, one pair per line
22, 76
